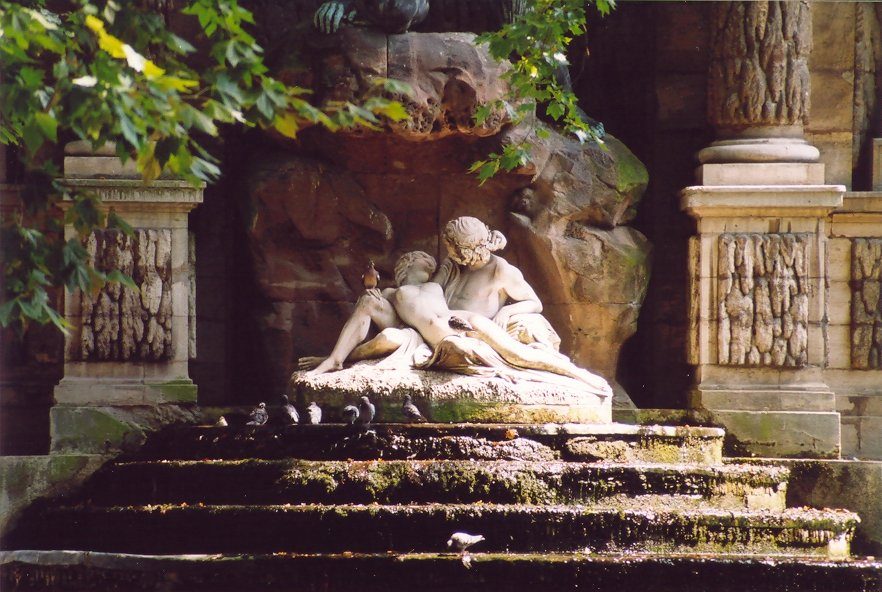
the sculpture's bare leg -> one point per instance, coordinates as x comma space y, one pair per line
371, 307
385, 343
524, 356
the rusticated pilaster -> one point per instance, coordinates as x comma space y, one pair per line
866, 303
763, 299
122, 324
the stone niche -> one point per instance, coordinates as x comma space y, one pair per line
321, 207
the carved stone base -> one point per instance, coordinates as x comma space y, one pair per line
779, 421
127, 354
759, 150
759, 317
448, 397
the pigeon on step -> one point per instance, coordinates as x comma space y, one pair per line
313, 414
411, 412
366, 411
350, 414
461, 541
258, 415
287, 412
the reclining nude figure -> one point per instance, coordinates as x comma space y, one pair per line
461, 341
473, 279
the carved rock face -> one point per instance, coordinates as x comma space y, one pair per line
317, 219
449, 74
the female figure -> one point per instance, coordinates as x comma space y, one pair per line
476, 280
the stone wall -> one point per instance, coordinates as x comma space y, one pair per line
647, 80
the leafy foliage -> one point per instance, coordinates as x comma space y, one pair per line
111, 71
536, 42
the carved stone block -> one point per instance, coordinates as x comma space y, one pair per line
763, 288
122, 324
866, 303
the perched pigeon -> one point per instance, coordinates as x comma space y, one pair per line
287, 412
366, 411
222, 422
313, 414
461, 541
258, 415
410, 411
459, 324
371, 277
350, 414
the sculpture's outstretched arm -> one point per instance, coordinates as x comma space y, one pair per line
374, 307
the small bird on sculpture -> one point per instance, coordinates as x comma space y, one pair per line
287, 412
313, 414
258, 415
411, 412
350, 414
371, 277
459, 324
366, 411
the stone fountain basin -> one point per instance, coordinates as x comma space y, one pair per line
446, 397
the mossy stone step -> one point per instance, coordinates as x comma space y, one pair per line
316, 528
396, 482
282, 572
529, 442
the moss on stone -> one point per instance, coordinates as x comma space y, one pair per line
181, 390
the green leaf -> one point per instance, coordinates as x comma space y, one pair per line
6, 311
487, 170
33, 136
555, 110
287, 125
48, 125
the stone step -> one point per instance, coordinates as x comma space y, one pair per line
430, 572
397, 482
528, 442
313, 528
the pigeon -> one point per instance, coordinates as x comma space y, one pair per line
366, 411
258, 415
461, 541
371, 277
411, 412
287, 412
222, 422
313, 414
458, 324
350, 414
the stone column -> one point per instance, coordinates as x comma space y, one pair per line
759, 276
758, 83
126, 357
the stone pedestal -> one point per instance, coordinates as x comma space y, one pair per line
758, 313
126, 357
854, 370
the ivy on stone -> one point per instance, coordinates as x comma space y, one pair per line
111, 72
536, 43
